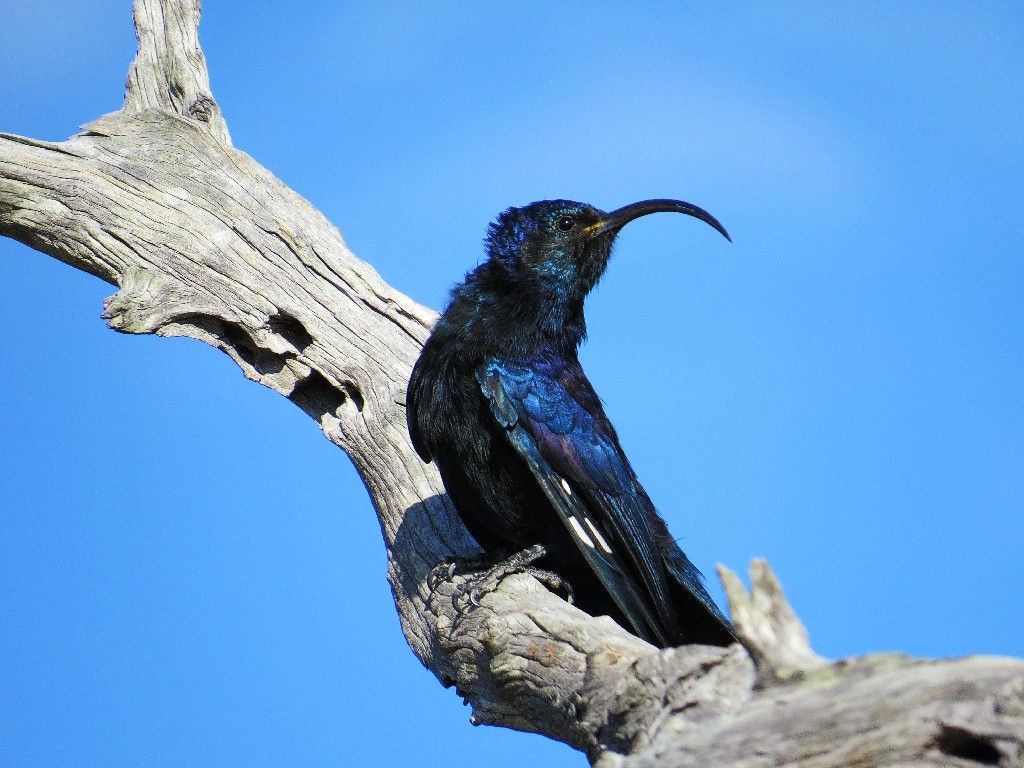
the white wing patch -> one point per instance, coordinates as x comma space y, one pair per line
578, 527
598, 536
578, 530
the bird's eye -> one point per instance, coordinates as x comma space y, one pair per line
565, 223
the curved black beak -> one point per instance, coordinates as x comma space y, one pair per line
616, 220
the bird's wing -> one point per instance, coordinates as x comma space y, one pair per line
417, 383
555, 421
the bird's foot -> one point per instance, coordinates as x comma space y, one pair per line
450, 567
497, 569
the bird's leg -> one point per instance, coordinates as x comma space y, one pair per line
499, 564
518, 562
521, 562
450, 567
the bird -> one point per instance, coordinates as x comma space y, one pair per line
499, 402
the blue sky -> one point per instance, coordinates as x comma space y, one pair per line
191, 575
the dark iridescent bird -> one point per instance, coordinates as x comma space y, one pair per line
499, 402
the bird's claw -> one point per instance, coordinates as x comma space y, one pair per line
440, 573
450, 567
518, 562
552, 581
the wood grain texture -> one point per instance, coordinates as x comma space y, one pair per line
202, 241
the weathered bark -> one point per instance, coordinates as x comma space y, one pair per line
201, 241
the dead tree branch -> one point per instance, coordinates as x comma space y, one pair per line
201, 241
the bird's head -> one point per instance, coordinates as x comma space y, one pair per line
560, 248
542, 261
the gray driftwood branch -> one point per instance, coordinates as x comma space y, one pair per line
202, 241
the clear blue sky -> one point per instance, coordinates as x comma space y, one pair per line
191, 575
